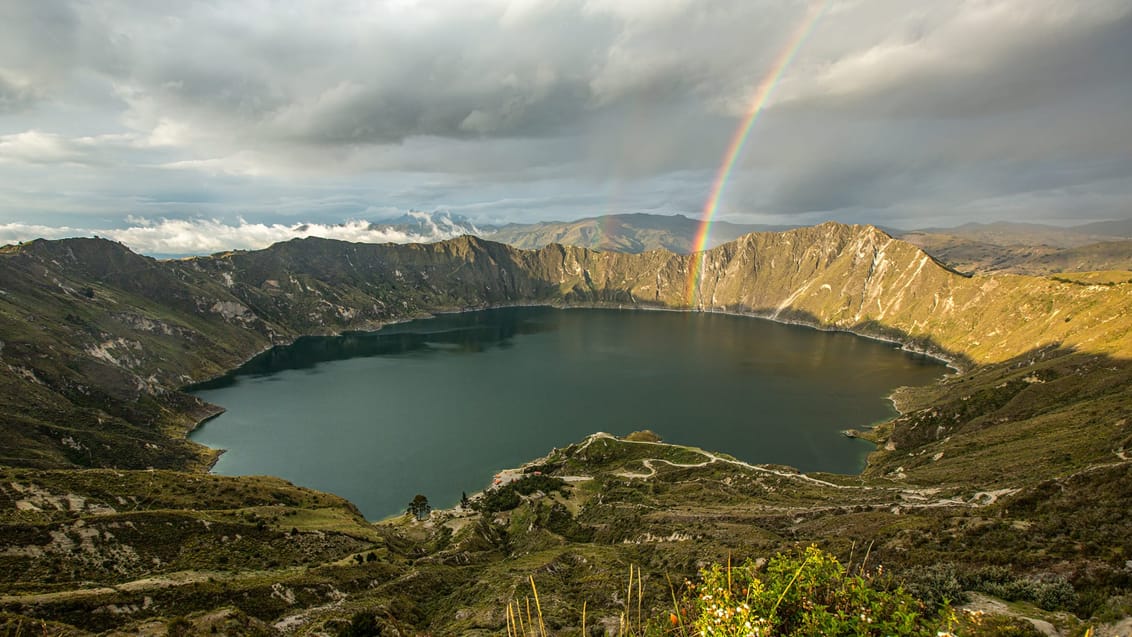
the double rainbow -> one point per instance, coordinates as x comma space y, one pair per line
797, 39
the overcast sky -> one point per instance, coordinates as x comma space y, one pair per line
229, 118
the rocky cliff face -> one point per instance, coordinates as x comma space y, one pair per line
861, 279
834, 276
97, 339
855, 278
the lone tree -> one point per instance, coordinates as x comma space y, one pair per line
465, 503
419, 507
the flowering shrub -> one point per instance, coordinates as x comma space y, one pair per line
805, 593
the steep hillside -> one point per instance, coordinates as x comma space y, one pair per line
96, 339
861, 279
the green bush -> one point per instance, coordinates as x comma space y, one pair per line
935, 584
506, 497
561, 522
528, 484
804, 593
1055, 594
362, 624
501, 499
1050, 593
178, 627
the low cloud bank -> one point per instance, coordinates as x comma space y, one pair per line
179, 237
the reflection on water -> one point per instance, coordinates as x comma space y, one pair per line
467, 332
437, 406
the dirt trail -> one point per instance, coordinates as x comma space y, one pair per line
167, 580
909, 498
711, 458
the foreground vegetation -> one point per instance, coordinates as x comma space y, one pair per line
307, 563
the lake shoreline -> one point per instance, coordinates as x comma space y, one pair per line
952, 362
855, 469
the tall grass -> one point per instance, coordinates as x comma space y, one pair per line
803, 592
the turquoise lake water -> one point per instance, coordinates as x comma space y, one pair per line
438, 406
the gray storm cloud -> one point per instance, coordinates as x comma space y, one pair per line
519, 110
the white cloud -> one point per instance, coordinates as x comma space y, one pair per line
11, 233
36, 147
206, 236
245, 163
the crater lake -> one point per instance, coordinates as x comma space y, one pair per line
437, 406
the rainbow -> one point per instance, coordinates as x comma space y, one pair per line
763, 91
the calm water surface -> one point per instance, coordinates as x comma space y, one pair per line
438, 406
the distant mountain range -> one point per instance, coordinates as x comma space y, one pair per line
968, 255
631, 233
1022, 248
1004, 233
641, 232
1019, 248
435, 226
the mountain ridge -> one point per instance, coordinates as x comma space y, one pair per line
631, 232
139, 328
974, 247
1008, 233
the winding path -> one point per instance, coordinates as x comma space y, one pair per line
711, 458
921, 498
